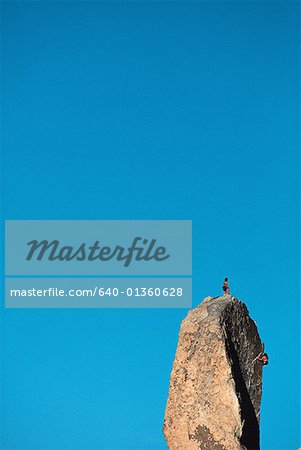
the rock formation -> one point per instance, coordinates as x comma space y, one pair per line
215, 384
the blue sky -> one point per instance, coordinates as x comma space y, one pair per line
150, 110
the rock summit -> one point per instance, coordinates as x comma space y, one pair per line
216, 382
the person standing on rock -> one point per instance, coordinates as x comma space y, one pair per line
226, 287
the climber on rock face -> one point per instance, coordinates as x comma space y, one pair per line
264, 359
226, 287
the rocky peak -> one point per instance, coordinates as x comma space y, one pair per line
215, 384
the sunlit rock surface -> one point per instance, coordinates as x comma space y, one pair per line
215, 385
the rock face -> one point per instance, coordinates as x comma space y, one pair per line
215, 385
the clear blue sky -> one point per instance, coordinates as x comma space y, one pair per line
174, 110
